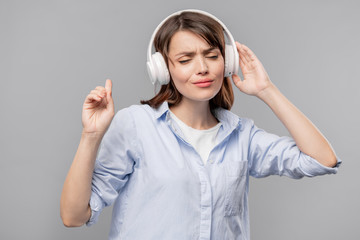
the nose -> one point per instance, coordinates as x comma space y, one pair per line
202, 66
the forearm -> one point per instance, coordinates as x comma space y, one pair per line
307, 137
74, 204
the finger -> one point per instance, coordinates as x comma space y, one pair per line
240, 50
238, 46
93, 97
236, 79
110, 103
108, 85
244, 55
239, 84
100, 93
251, 55
241, 58
100, 88
242, 64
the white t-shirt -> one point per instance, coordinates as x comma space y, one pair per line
202, 140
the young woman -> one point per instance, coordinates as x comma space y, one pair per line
178, 166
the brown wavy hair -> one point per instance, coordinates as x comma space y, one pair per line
212, 32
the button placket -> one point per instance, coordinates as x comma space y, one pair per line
206, 205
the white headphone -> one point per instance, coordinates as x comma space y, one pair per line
157, 68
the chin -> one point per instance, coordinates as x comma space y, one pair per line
203, 98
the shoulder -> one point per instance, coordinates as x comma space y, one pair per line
231, 119
247, 123
134, 110
135, 114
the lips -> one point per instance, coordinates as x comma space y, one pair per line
204, 82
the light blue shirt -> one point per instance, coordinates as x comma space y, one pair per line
161, 189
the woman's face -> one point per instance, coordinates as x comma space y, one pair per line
196, 68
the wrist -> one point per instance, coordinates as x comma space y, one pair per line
92, 136
268, 93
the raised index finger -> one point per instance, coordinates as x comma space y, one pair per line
108, 85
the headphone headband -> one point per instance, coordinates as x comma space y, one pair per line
154, 72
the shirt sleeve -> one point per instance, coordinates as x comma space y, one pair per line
270, 154
114, 163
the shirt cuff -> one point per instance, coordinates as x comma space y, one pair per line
96, 206
312, 167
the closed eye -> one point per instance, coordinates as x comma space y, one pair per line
213, 56
184, 61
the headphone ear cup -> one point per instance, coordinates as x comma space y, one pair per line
159, 69
230, 61
151, 72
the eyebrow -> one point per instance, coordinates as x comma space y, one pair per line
206, 51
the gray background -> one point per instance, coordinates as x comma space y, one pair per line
52, 53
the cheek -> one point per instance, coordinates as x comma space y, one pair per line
219, 69
180, 75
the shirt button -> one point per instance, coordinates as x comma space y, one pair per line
211, 160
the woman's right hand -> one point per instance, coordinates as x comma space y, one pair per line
98, 109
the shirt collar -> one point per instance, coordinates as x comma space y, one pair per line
228, 119
161, 110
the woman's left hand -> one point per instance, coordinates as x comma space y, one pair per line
255, 76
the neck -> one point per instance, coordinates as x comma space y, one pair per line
195, 114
